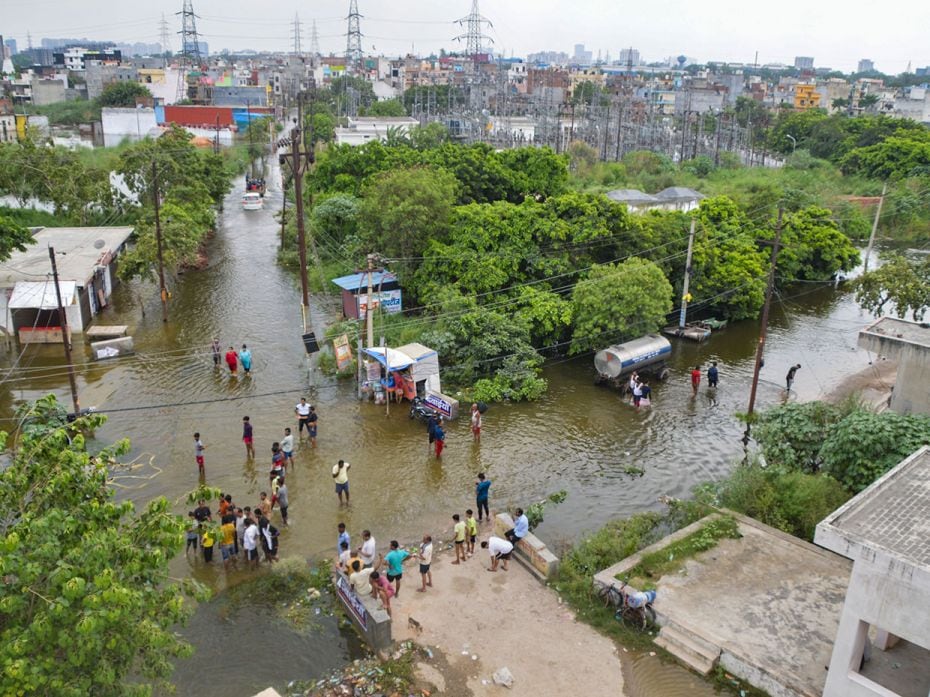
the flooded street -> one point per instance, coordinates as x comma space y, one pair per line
579, 437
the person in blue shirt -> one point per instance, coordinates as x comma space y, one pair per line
343, 537
482, 485
712, 375
245, 358
520, 529
395, 562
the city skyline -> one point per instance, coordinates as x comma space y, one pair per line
725, 31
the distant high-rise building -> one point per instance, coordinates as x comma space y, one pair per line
11, 45
804, 62
629, 56
865, 66
582, 56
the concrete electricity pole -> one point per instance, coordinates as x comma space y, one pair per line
158, 240
763, 330
65, 334
878, 214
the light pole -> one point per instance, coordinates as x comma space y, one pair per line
794, 142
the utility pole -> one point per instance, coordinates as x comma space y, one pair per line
687, 281
763, 330
878, 214
65, 334
298, 167
369, 317
158, 240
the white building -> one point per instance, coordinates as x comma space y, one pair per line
882, 646
364, 129
121, 124
86, 260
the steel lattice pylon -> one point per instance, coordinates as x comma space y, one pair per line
353, 38
190, 57
473, 38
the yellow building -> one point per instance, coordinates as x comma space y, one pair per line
805, 97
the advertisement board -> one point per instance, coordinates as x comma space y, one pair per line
343, 352
388, 300
352, 601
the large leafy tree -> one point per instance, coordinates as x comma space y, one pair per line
813, 248
123, 94
403, 210
86, 604
13, 237
900, 285
619, 301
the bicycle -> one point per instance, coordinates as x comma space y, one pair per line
641, 616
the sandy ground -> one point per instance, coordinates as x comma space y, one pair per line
476, 622
872, 385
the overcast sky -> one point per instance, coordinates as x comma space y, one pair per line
836, 32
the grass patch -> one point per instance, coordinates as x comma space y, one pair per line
614, 542
671, 558
296, 592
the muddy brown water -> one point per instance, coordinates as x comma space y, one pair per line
579, 437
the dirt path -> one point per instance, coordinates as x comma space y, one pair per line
477, 622
873, 385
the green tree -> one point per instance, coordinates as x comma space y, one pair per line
13, 237
123, 94
899, 284
792, 434
386, 107
427, 137
864, 445
87, 605
404, 209
813, 247
895, 157
619, 301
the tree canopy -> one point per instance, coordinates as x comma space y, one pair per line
899, 285
123, 94
13, 237
86, 606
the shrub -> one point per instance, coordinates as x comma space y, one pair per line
792, 434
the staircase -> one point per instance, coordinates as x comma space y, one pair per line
698, 654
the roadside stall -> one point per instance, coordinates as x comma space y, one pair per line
408, 372
385, 373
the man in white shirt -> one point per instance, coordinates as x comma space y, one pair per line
302, 409
500, 551
250, 542
287, 446
360, 578
341, 478
367, 550
426, 558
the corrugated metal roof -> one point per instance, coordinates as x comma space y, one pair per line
358, 281
679, 193
40, 295
633, 196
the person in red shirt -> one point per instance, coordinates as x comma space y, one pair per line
695, 380
232, 360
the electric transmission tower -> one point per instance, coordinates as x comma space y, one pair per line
165, 36
473, 38
296, 34
354, 38
314, 41
190, 48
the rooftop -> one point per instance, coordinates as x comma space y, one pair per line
680, 193
902, 330
631, 196
358, 281
77, 251
891, 516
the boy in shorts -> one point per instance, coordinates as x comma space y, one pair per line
459, 529
426, 558
247, 437
199, 447
471, 528
287, 447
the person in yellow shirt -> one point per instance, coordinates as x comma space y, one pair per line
459, 538
228, 541
206, 542
472, 527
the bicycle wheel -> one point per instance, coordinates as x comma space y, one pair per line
650, 616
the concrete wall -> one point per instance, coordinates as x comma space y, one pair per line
119, 124
887, 595
48, 92
912, 387
370, 620
531, 551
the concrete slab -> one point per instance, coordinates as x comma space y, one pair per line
770, 601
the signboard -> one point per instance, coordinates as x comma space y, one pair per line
351, 600
388, 300
343, 352
446, 406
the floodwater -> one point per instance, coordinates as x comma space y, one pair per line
579, 437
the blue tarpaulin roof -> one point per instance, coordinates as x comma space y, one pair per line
357, 281
395, 359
